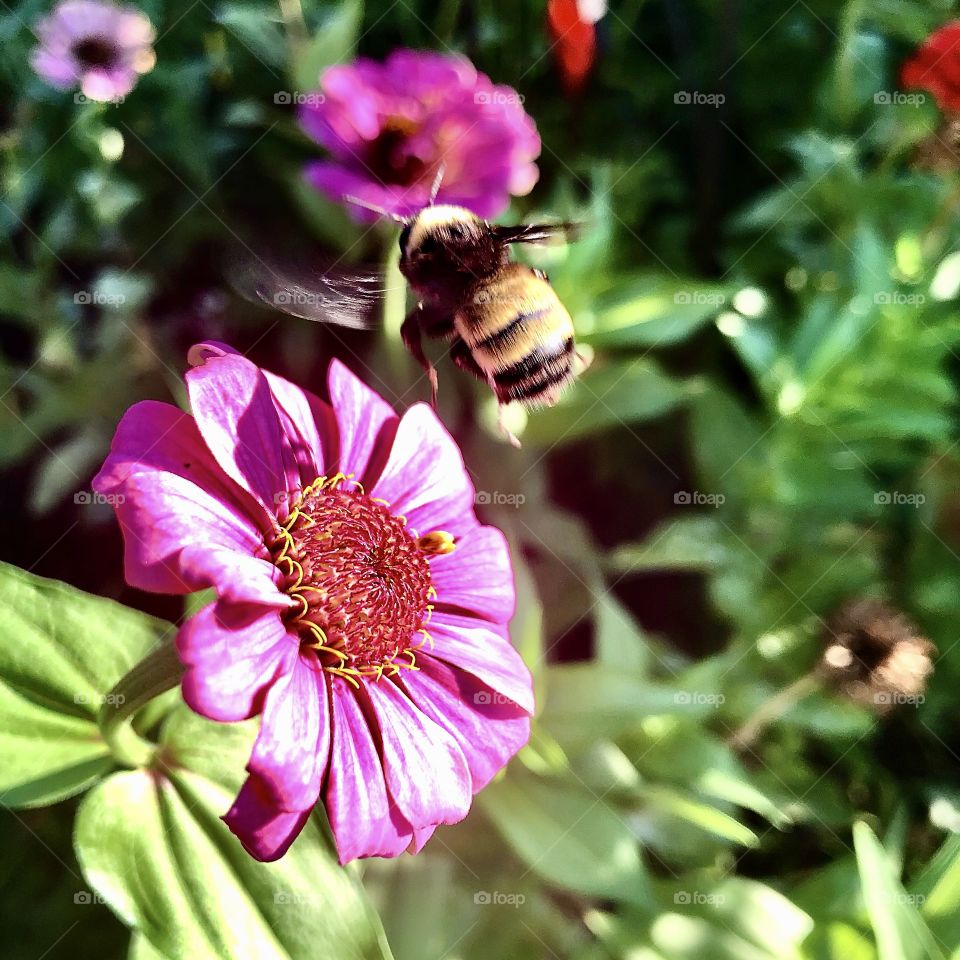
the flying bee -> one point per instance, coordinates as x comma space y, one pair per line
503, 320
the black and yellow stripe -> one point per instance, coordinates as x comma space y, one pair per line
519, 335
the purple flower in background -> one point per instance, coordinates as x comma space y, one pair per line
361, 607
390, 127
97, 46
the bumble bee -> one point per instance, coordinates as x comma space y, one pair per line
503, 320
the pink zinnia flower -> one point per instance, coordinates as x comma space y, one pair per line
935, 67
361, 607
97, 46
390, 127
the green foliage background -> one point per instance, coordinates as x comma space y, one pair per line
768, 287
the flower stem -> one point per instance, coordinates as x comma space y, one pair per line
292, 13
394, 312
773, 709
446, 19
160, 671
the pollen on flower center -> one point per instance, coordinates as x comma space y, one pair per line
361, 578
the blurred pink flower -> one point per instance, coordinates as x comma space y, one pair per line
377, 657
100, 47
390, 126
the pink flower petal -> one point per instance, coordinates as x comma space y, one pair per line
57, 69
236, 577
425, 770
303, 420
233, 655
158, 436
425, 479
420, 837
265, 832
161, 514
477, 576
364, 821
290, 755
234, 409
489, 728
483, 650
365, 421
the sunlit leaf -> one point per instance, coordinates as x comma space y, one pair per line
567, 835
61, 652
152, 844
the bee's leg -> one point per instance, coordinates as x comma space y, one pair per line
504, 429
410, 332
463, 358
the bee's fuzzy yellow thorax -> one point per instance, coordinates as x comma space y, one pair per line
429, 218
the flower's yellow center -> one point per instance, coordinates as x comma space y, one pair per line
362, 581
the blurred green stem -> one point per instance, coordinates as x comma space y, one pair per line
159, 672
293, 20
629, 12
394, 311
773, 709
446, 20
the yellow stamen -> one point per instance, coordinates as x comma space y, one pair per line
437, 543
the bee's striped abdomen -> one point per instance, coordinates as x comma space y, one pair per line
539, 376
519, 335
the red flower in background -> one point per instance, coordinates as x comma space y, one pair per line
935, 67
572, 25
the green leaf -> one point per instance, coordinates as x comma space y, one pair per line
587, 700
567, 835
758, 914
334, 42
900, 931
618, 637
257, 30
615, 395
152, 844
141, 949
937, 889
689, 756
61, 652
726, 442
707, 817
652, 311
762, 915
686, 543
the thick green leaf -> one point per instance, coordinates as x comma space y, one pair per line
762, 916
61, 651
567, 835
900, 931
152, 844
707, 817
141, 949
937, 890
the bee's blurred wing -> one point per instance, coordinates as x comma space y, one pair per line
567, 231
322, 292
